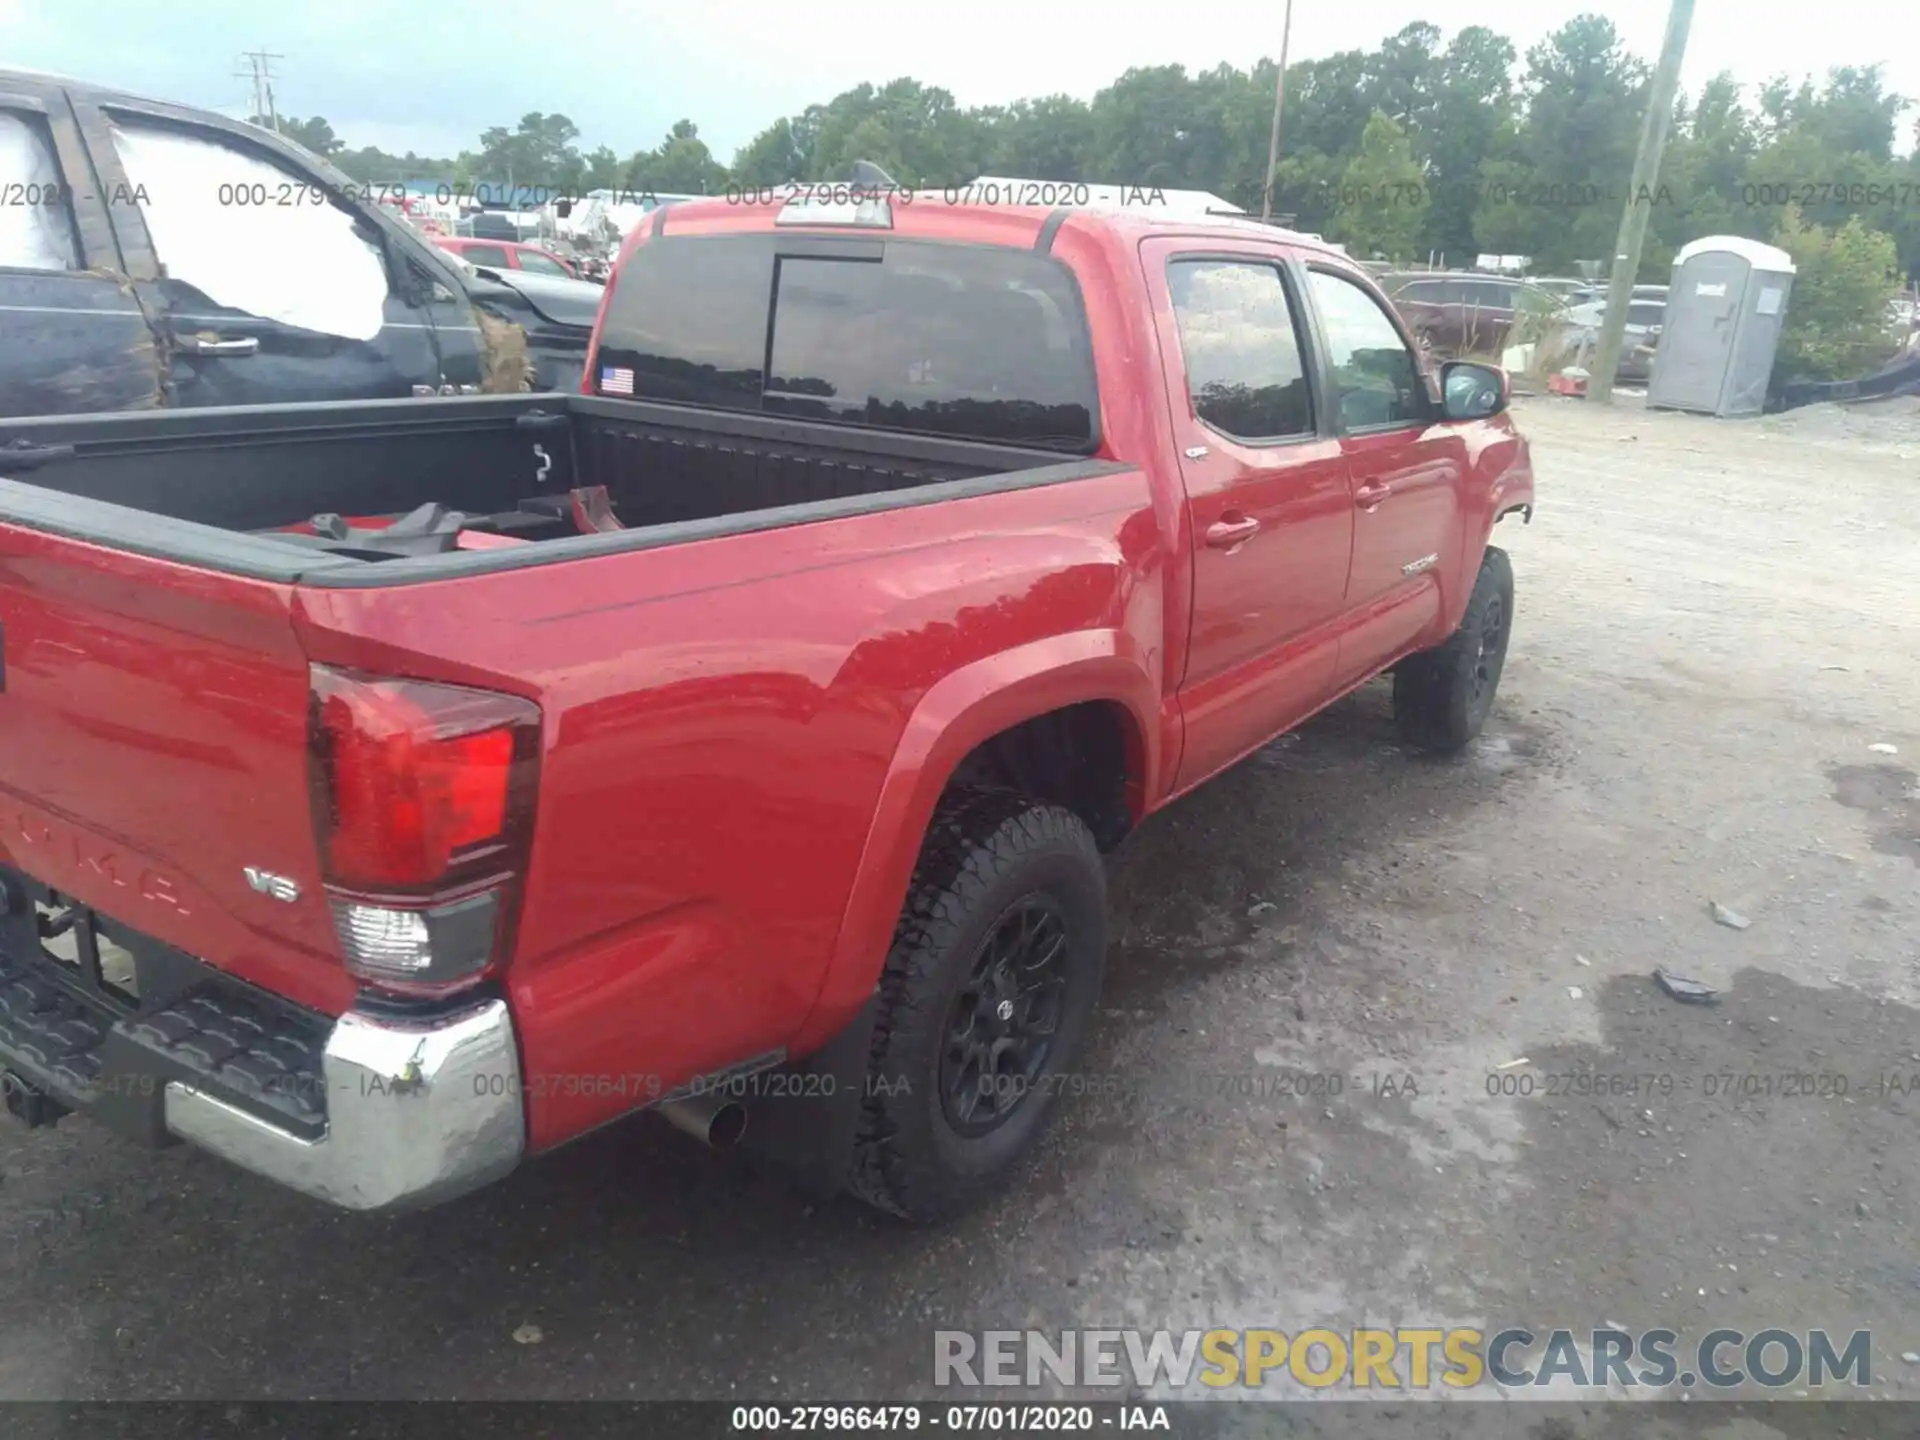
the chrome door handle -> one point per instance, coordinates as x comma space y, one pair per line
1368, 496
205, 345
1225, 534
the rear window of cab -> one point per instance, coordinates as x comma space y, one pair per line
970, 341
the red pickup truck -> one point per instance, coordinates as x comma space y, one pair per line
394, 790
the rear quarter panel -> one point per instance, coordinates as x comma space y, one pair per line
738, 729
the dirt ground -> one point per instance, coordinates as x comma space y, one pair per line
1717, 620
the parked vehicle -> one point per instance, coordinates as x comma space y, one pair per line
1567, 291
494, 225
393, 790
1641, 339
507, 255
156, 256
556, 315
1457, 314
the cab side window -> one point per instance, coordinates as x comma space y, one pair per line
1242, 349
1375, 378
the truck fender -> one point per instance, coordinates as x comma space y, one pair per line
1509, 491
957, 714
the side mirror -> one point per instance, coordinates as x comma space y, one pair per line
563, 208
1472, 391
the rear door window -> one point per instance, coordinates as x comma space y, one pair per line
1490, 294
973, 341
541, 263
1242, 349
249, 235
36, 208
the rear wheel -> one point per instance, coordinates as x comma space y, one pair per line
986, 996
1442, 697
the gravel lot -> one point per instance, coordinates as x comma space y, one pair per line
1717, 620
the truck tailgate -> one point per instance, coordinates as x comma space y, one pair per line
153, 751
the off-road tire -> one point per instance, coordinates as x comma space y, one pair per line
986, 850
1442, 697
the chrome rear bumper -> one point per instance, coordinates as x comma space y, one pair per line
417, 1113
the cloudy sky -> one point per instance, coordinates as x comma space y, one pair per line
431, 74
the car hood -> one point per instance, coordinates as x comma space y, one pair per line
559, 301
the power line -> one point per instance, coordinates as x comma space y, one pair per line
259, 69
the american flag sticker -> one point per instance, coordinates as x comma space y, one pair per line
616, 380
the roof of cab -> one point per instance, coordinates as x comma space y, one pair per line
928, 214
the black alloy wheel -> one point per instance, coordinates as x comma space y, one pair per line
1002, 1023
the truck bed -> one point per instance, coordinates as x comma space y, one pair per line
158, 662
239, 489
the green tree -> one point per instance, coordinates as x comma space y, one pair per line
372, 165
601, 169
680, 165
1306, 185
1904, 183
1854, 113
1473, 115
1383, 200
1046, 139
1534, 162
540, 151
773, 157
314, 134
1836, 324
1144, 129
1830, 150
1326, 106
915, 132
1710, 149
1557, 196
1402, 77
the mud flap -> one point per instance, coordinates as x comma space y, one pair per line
802, 1120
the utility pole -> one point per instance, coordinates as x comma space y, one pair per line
1279, 99
1639, 207
259, 69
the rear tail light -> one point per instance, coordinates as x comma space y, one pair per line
423, 808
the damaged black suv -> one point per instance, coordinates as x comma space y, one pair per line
154, 255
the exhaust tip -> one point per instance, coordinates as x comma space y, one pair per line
710, 1120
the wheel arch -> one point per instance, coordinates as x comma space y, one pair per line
1098, 677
